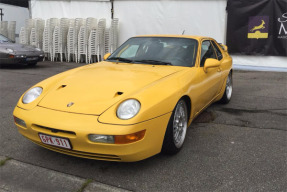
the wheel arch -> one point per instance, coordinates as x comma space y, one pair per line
187, 99
168, 146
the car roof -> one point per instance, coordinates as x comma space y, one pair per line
178, 36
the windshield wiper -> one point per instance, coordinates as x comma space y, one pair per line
121, 59
155, 62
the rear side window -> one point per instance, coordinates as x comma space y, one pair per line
217, 50
207, 51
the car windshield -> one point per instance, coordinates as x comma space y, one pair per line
157, 51
4, 39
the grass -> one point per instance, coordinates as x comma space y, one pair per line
2, 162
87, 182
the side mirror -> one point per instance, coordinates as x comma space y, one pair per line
210, 63
106, 56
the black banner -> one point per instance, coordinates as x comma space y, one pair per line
20, 3
257, 27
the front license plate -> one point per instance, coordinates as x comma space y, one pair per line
56, 141
31, 58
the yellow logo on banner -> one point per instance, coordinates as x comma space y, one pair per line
256, 33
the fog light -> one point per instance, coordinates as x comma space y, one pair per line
20, 56
101, 138
19, 122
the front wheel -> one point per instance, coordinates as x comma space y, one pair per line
176, 129
228, 90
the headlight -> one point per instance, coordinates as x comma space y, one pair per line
10, 50
32, 94
38, 49
128, 109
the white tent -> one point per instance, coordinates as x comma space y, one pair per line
205, 17
10, 16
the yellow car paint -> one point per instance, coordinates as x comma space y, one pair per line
158, 88
82, 125
99, 95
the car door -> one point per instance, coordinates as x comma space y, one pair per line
209, 80
222, 67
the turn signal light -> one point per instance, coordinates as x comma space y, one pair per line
11, 56
130, 138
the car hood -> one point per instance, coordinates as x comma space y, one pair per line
17, 47
95, 88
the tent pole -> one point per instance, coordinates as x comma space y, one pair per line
30, 10
112, 9
1, 14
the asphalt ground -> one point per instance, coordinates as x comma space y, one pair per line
241, 146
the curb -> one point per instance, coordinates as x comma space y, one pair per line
19, 176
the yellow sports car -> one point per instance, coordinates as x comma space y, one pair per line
136, 103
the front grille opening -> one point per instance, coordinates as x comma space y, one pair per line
52, 130
81, 154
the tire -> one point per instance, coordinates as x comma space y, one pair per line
176, 129
228, 90
32, 64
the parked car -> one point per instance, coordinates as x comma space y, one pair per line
13, 53
138, 102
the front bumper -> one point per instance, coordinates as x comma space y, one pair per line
22, 59
76, 128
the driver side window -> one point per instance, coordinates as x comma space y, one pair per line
207, 51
